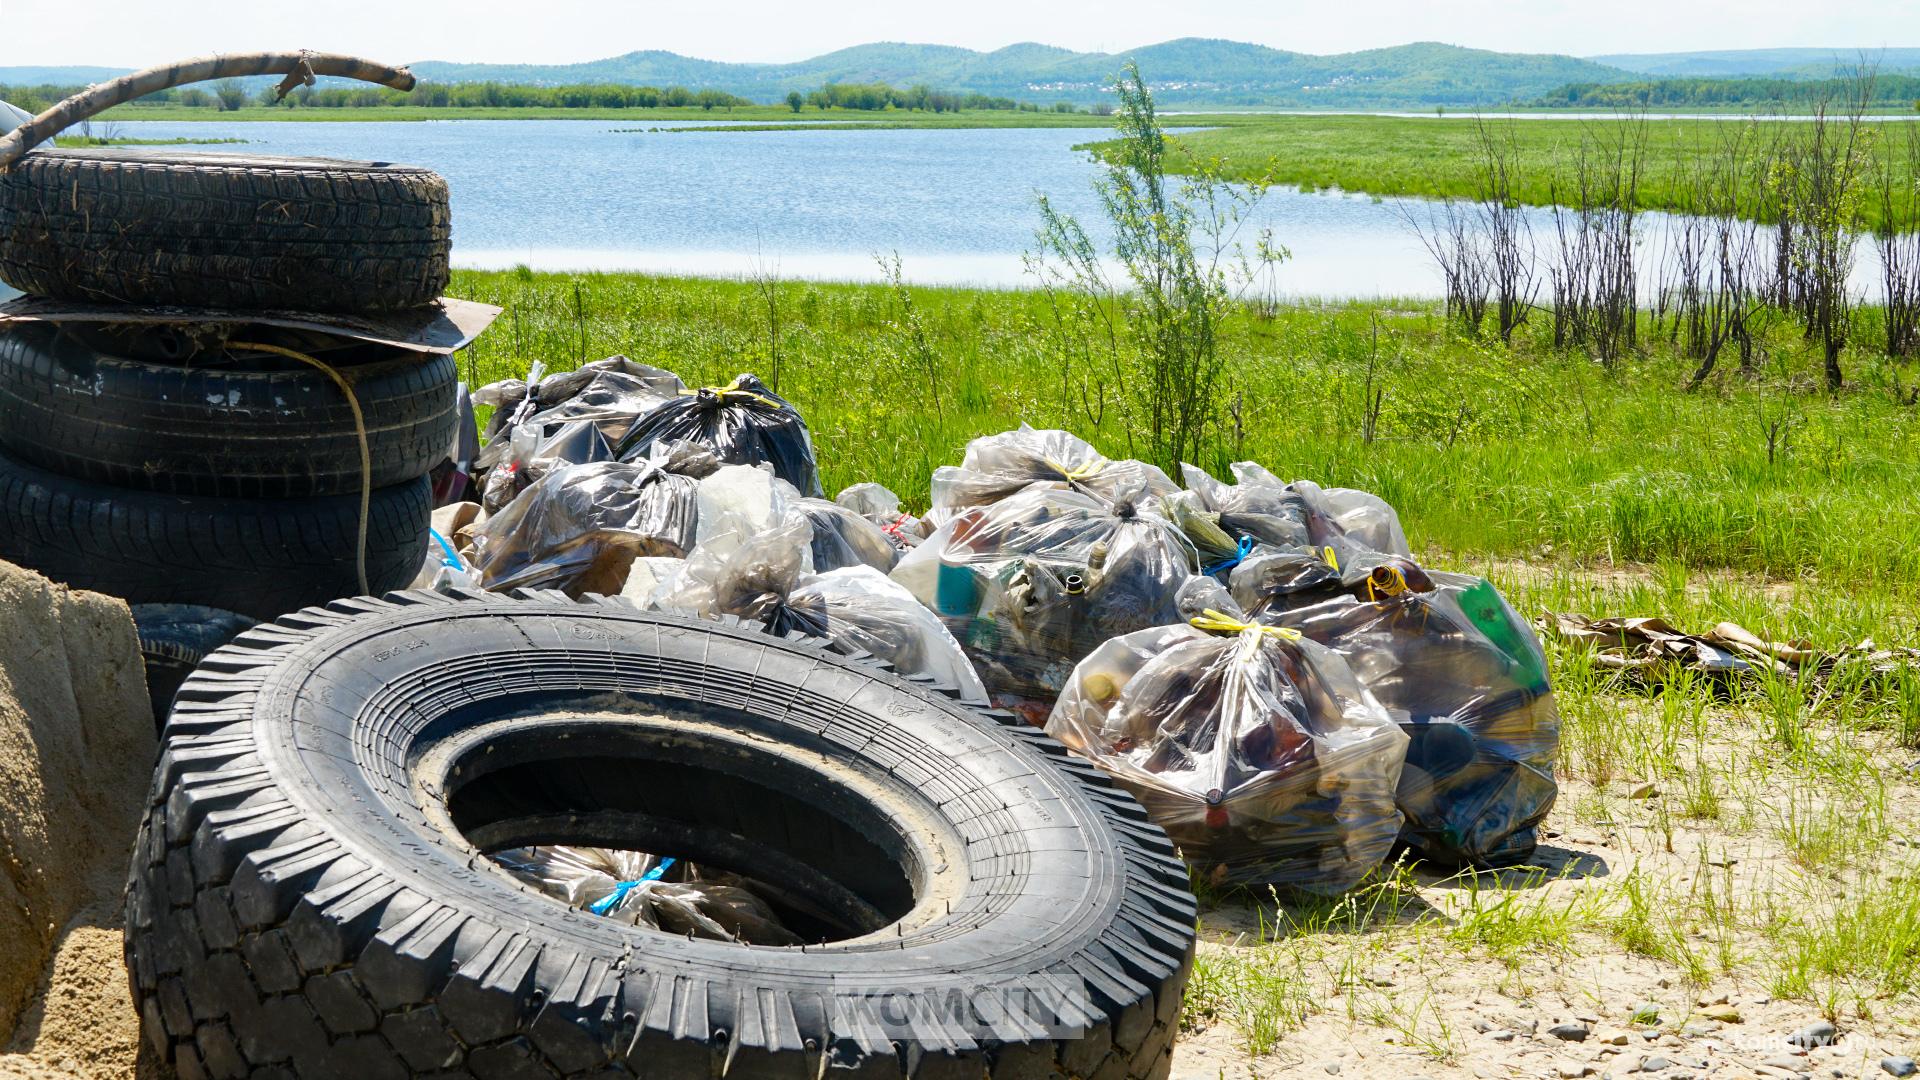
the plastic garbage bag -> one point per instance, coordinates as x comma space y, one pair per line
743, 423
842, 537
882, 507
1039, 579
612, 393
767, 579
1365, 518
738, 502
1269, 581
580, 527
1255, 748
1466, 680
997, 466
530, 455
635, 888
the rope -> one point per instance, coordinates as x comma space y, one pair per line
359, 430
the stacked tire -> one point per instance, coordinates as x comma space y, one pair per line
175, 463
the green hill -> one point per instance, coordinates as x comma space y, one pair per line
1788, 63
1188, 71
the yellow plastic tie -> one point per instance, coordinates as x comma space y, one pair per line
1219, 622
1331, 559
732, 389
1394, 585
359, 430
1081, 473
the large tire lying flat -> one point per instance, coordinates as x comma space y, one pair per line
224, 230
261, 434
310, 896
259, 557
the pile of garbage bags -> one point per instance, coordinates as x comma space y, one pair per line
1263, 663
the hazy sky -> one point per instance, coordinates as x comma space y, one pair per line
136, 33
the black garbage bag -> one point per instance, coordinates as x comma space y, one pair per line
842, 537
743, 423
1466, 680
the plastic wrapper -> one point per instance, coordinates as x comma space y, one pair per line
580, 527
642, 890
1255, 748
844, 538
882, 507
1466, 680
997, 466
1039, 579
767, 579
743, 423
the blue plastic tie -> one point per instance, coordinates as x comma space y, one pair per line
612, 900
449, 556
1241, 551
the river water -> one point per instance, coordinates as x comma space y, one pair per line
958, 206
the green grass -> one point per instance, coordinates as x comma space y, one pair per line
1437, 156
1486, 452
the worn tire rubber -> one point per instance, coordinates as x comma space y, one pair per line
263, 434
292, 910
224, 230
174, 638
259, 557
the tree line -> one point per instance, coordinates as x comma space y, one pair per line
873, 97
1888, 91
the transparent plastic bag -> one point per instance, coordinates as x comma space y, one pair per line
1036, 581
1466, 679
580, 527
743, 423
531, 454
882, 507
1270, 581
844, 538
1254, 748
1364, 518
635, 888
738, 502
997, 466
767, 579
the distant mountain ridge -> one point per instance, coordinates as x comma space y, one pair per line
1187, 72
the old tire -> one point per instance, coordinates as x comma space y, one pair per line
224, 230
305, 898
174, 638
275, 431
259, 557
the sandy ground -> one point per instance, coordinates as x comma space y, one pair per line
76, 752
1463, 983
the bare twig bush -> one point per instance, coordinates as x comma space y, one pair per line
1593, 277
1820, 180
1897, 237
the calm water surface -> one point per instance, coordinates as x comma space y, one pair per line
957, 205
